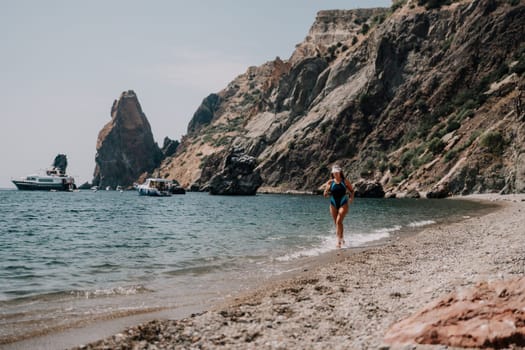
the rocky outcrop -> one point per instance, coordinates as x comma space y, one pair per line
412, 193
205, 113
60, 163
85, 186
439, 191
169, 147
238, 175
488, 316
419, 96
368, 189
125, 146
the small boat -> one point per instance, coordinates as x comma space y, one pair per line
176, 188
155, 187
119, 188
53, 180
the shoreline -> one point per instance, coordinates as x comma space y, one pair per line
350, 301
274, 286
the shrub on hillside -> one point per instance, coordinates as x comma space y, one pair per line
450, 155
493, 141
453, 125
406, 158
397, 4
365, 28
436, 145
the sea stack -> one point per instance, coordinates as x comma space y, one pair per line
60, 163
125, 145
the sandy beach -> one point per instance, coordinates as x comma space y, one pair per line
350, 300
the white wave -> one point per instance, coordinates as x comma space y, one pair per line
361, 239
421, 223
329, 243
127, 290
387, 230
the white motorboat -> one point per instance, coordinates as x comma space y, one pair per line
53, 180
155, 187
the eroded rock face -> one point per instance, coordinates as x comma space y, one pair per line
125, 146
205, 113
413, 193
169, 147
439, 191
368, 189
237, 177
410, 93
490, 315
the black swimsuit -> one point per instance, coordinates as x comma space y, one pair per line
339, 197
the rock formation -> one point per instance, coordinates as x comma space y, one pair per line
492, 315
169, 147
60, 163
368, 189
125, 146
238, 175
205, 113
439, 191
414, 96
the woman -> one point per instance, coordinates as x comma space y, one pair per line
337, 187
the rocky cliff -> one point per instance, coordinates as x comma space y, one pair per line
425, 95
125, 145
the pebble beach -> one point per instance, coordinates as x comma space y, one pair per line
350, 299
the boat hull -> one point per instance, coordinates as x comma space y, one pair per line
153, 192
31, 186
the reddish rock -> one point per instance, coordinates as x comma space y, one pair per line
125, 146
491, 315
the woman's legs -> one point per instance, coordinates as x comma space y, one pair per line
338, 216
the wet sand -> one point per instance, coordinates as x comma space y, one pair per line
347, 300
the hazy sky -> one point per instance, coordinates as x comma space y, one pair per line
62, 63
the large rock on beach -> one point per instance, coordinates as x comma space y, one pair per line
368, 189
438, 191
413, 193
238, 175
125, 146
491, 315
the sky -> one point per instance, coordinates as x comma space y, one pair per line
63, 63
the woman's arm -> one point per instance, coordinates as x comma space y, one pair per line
350, 189
327, 188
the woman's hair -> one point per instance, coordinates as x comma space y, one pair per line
342, 175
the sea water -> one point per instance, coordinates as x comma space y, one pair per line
68, 259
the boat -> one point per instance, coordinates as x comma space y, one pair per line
176, 188
155, 187
53, 180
